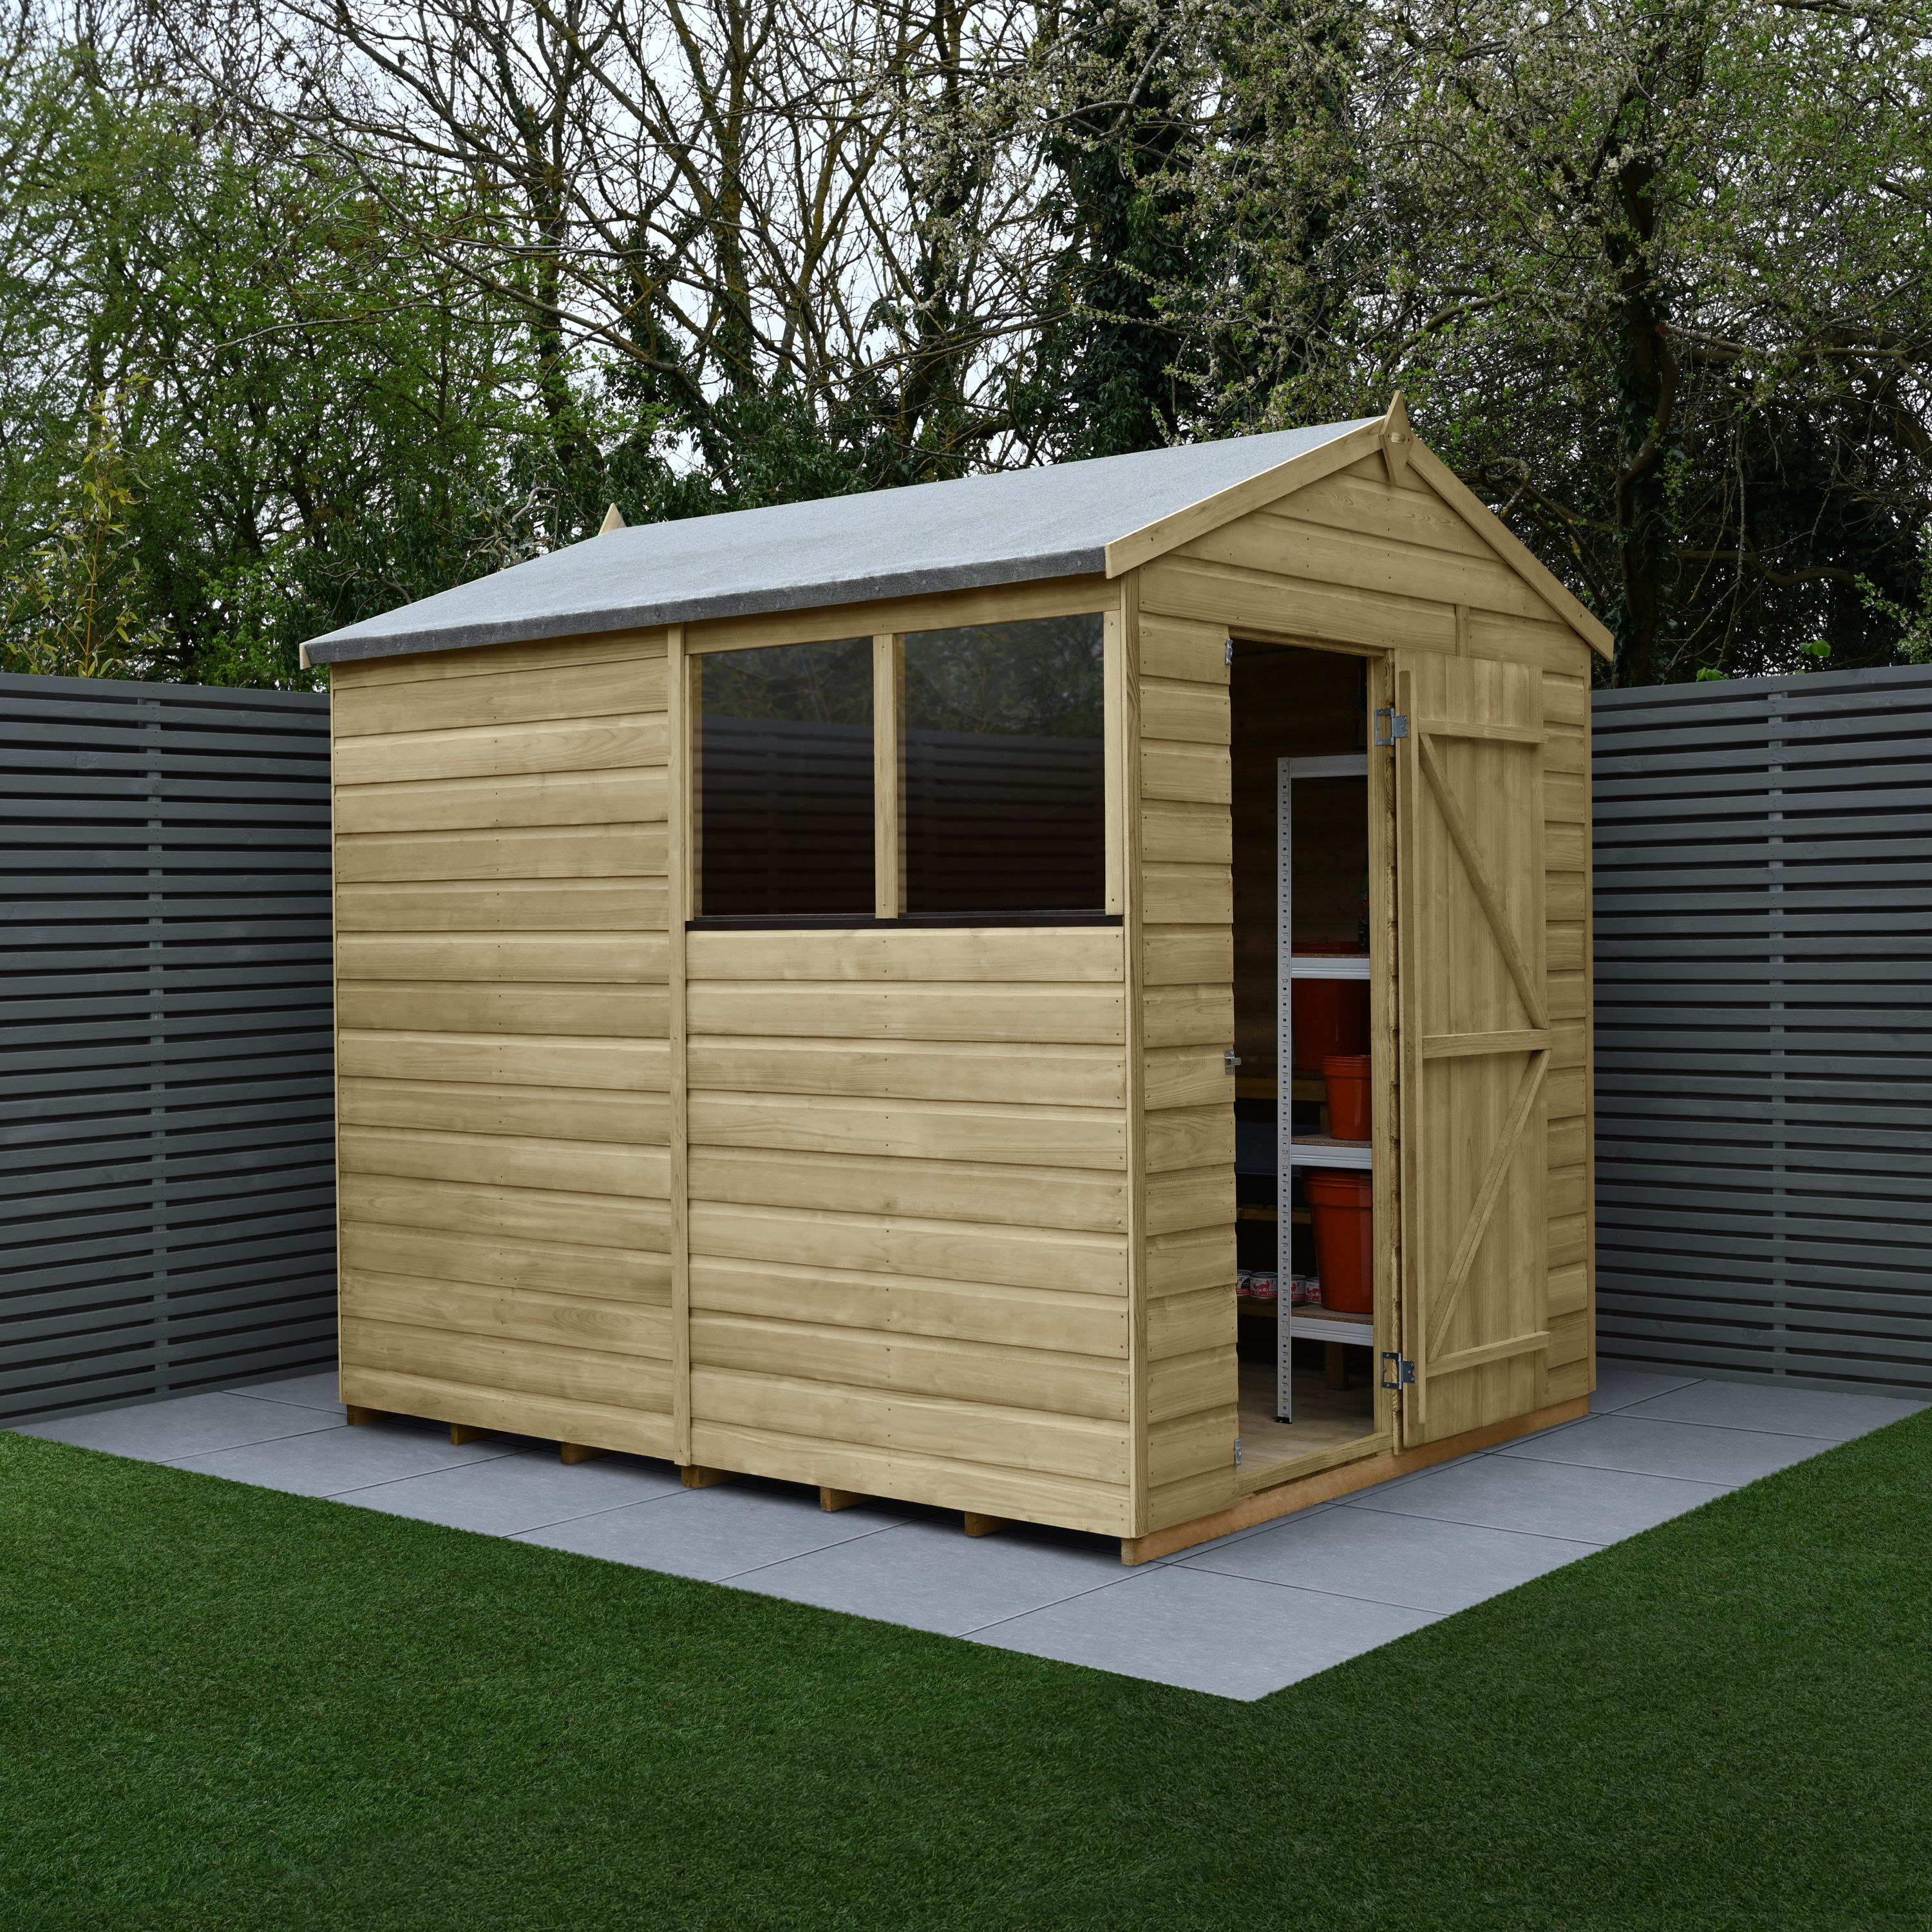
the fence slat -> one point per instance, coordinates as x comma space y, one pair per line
1762, 902
167, 1125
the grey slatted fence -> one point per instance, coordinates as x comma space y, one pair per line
1763, 914
167, 1121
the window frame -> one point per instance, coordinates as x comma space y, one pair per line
889, 870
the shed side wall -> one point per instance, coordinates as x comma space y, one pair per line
500, 921
908, 1215
1354, 560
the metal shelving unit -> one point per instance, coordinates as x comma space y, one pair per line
1292, 1151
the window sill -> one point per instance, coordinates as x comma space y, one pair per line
843, 922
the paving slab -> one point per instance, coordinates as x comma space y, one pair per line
1239, 1617
1618, 1386
932, 1575
1229, 1636
716, 1534
1627, 1441
1779, 1409
319, 1390
530, 1489
189, 1425
333, 1459
1559, 1499
1415, 1562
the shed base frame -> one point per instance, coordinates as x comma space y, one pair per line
1322, 1486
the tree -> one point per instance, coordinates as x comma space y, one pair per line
754, 216
78, 607
308, 423
1679, 250
381, 298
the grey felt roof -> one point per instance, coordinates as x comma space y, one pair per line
1007, 528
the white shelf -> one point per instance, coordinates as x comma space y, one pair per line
1331, 1154
1319, 966
1332, 1328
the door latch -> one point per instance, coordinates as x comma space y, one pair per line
1230, 1060
1401, 1374
1389, 725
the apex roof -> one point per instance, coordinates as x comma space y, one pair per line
1008, 527
1062, 520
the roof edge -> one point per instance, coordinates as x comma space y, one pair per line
334, 647
1179, 526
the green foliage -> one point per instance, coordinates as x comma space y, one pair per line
250, 413
1913, 621
1655, 274
277, 353
76, 608
1104, 381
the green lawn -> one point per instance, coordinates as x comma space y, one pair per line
223, 1707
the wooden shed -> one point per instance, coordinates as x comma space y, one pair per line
820, 989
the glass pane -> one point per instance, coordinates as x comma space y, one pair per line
784, 799
1005, 788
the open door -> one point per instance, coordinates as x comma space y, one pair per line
1475, 1042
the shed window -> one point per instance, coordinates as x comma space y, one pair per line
1004, 757
784, 802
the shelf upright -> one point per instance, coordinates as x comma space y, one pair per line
1311, 1151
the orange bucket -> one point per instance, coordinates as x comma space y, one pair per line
1331, 1016
1347, 1076
1338, 1205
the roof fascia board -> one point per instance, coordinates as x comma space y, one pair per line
475, 634
1253, 493
1508, 547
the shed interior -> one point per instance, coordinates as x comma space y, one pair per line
1306, 1379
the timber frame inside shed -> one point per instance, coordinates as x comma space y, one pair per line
905, 1132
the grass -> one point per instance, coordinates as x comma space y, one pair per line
223, 1707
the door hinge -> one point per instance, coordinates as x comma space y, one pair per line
1389, 725
1230, 657
1238, 1452
1230, 1060
1403, 1371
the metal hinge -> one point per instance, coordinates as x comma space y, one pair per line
1230, 658
1405, 1370
1230, 1060
1389, 725
1238, 1452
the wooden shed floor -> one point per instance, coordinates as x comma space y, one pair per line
1325, 1418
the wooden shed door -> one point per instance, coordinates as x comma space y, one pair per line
1474, 1043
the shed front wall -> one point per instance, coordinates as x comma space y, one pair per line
890, 1254
502, 1070
908, 1217
1362, 561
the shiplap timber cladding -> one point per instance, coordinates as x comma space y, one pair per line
165, 1139
909, 1215
1187, 939
504, 1076
1764, 1097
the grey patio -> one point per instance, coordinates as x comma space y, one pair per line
1240, 1617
